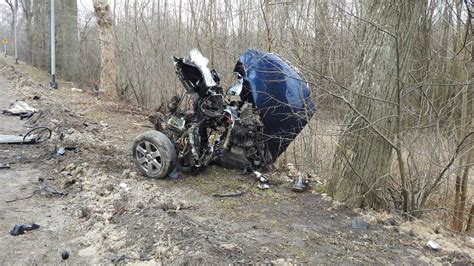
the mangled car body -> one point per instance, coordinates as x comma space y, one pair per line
246, 126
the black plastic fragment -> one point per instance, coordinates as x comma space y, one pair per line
20, 229
65, 254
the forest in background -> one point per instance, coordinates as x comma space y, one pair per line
392, 81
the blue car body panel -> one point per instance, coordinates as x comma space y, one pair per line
281, 95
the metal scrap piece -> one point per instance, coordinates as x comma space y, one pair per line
20, 108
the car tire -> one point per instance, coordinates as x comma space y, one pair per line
154, 154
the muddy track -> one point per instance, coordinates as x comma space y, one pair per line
114, 215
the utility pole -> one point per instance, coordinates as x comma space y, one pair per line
53, 84
15, 15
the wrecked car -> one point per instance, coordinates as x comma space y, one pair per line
245, 127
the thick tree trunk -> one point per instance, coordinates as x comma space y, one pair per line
28, 14
364, 155
470, 220
437, 96
108, 73
67, 38
467, 126
41, 33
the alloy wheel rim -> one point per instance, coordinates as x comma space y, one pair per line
149, 158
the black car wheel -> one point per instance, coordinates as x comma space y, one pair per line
154, 154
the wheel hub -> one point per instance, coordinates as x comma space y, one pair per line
150, 160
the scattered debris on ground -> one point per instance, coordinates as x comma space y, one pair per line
20, 108
436, 238
44, 188
433, 245
76, 90
65, 255
35, 135
62, 150
360, 223
20, 229
94, 208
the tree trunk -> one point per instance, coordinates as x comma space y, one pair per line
41, 33
12, 21
438, 91
364, 156
67, 38
467, 97
470, 220
108, 73
28, 15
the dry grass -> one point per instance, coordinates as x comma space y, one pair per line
426, 153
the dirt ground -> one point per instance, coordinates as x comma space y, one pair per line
112, 214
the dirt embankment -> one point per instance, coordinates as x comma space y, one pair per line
113, 214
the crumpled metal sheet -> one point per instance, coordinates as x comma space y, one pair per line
281, 95
20, 108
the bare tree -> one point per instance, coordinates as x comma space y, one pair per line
108, 73
27, 9
363, 159
466, 128
67, 39
11, 5
41, 34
